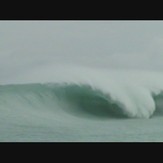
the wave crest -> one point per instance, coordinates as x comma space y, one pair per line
82, 100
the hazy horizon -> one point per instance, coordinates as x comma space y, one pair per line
28, 46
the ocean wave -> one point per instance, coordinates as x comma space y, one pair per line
83, 99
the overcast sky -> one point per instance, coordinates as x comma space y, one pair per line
26, 46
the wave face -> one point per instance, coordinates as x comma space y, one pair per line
77, 100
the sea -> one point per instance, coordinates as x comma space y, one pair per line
81, 92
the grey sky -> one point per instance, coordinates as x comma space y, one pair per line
29, 45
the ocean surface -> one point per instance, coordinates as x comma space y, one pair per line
79, 104
81, 81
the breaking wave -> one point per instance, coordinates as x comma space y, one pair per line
114, 99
